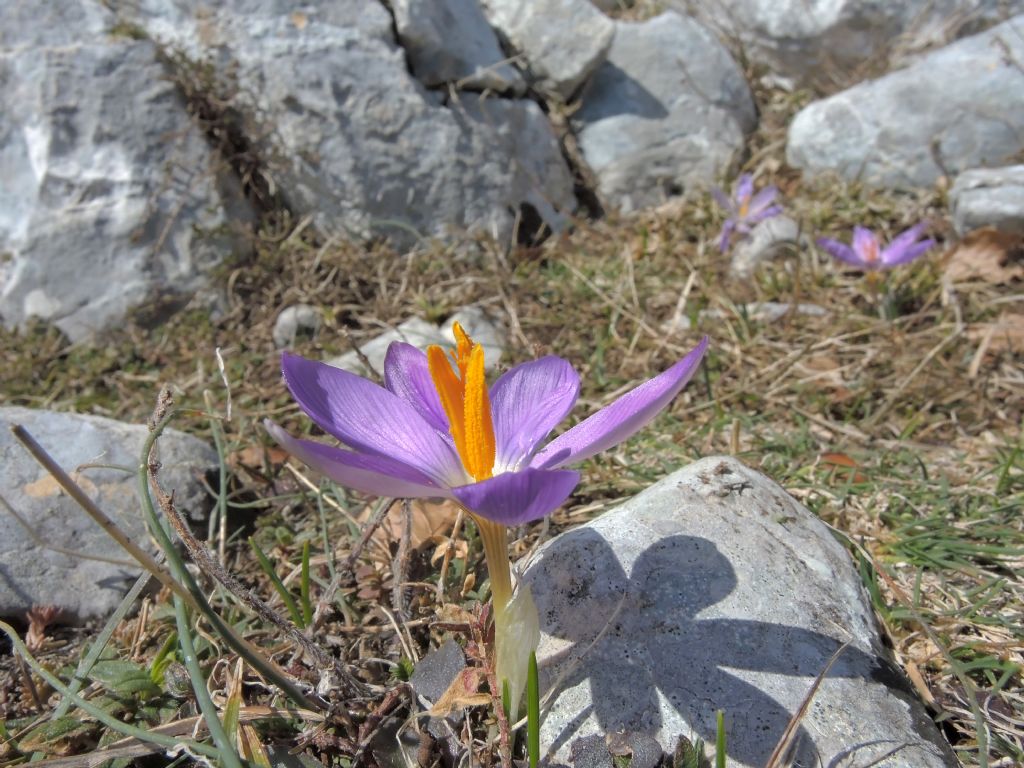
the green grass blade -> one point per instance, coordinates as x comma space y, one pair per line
307, 606
506, 700
282, 591
169, 742
720, 739
183, 581
226, 752
100, 643
533, 712
163, 658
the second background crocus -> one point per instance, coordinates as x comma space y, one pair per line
744, 209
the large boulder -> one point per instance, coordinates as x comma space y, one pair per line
112, 201
44, 569
562, 42
826, 41
955, 108
667, 111
715, 589
450, 41
350, 137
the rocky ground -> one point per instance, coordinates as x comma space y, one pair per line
261, 176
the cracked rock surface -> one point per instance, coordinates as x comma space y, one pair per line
111, 198
955, 108
667, 111
352, 138
824, 41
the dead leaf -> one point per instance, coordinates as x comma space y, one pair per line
825, 372
450, 613
1006, 334
254, 456
462, 693
988, 255
299, 20
460, 550
844, 465
432, 521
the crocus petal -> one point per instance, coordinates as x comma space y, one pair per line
726, 235
616, 422
376, 475
865, 244
893, 256
407, 375
722, 199
744, 188
369, 418
528, 402
514, 498
767, 213
840, 251
896, 252
760, 202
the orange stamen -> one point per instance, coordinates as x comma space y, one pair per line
466, 402
478, 426
450, 390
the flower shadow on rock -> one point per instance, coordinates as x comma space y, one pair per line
656, 643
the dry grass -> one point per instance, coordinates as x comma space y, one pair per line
905, 434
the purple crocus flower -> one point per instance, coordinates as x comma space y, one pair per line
745, 208
866, 252
435, 431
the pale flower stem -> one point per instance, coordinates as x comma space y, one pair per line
495, 540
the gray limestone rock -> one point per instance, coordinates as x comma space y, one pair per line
450, 41
668, 110
765, 241
350, 137
422, 334
82, 589
715, 589
826, 41
989, 197
294, 321
112, 202
955, 108
562, 41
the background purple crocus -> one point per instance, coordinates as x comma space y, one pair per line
745, 208
866, 252
397, 440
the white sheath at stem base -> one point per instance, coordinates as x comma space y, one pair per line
516, 623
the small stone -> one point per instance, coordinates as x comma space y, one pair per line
450, 41
989, 197
435, 672
83, 588
715, 589
756, 311
765, 241
422, 334
294, 321
562, 41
